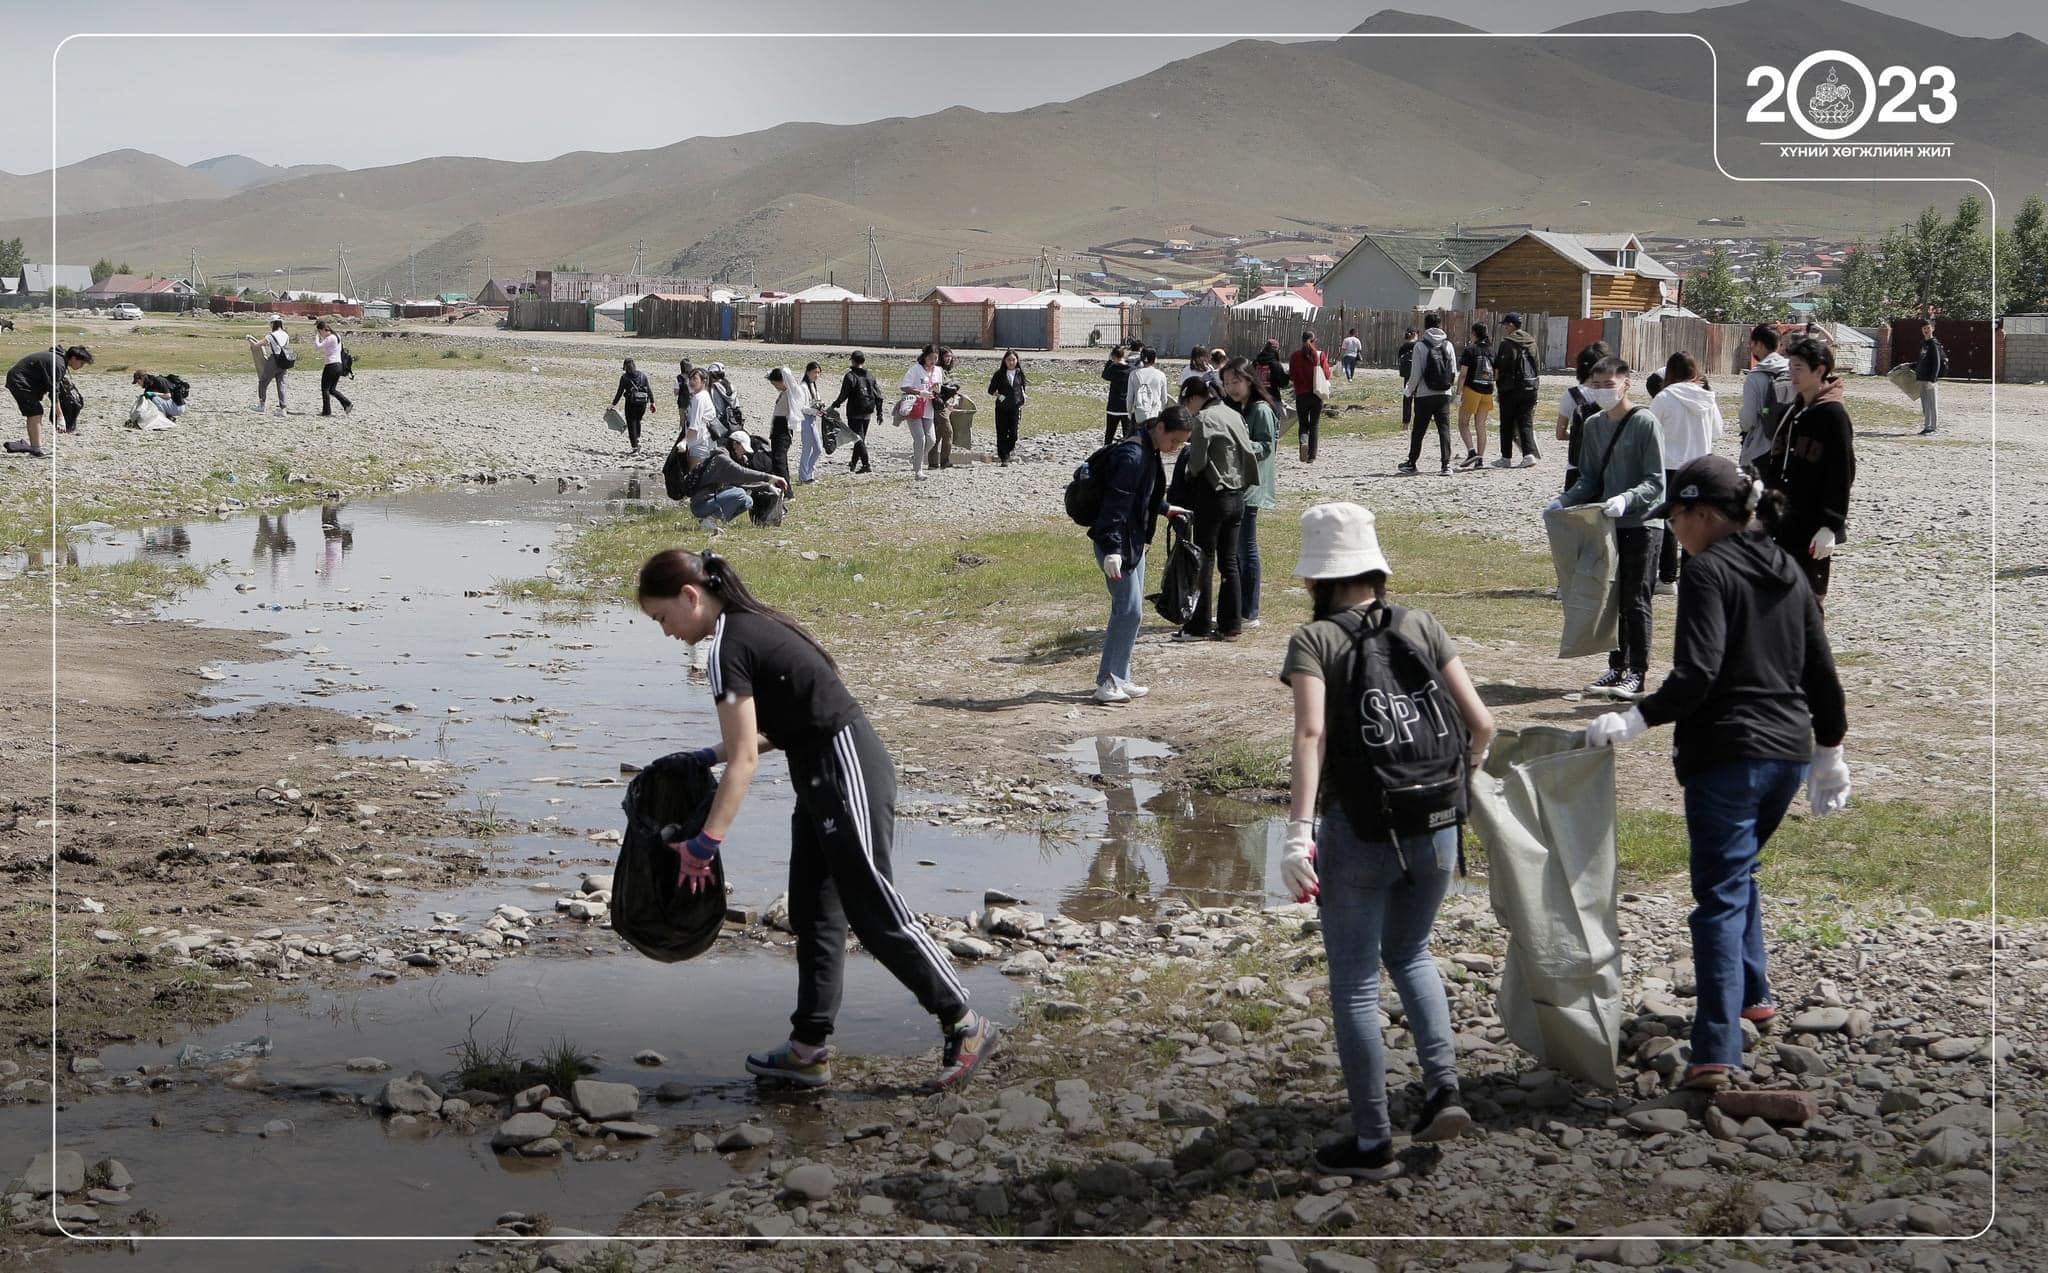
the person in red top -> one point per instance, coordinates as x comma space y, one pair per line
1302, 366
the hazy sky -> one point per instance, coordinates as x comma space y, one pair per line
364, 102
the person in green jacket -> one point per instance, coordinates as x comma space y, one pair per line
1621, 468
1216, 468
1242, 390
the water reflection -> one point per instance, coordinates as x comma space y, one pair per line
274, 543
167, 541
336, 540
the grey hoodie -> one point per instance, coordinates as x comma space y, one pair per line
1757, 386
1416, 388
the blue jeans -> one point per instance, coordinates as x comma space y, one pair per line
725, 505
1371, 913
1350, 367
1730, 811
1126, 612
1248, 565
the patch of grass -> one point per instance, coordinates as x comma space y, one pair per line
1731, 1214
129, 584
1238, 765
487, 824
495, 1065
1894, 850
451, 353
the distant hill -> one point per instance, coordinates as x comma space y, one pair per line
117, 179
239, 172
1296, 137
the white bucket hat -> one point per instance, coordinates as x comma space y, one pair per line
1338, 542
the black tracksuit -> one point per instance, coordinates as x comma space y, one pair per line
1515, 375
1009, 400
840, 833
1116, 417
1813, 461
863, 399
1751, 668
634, 389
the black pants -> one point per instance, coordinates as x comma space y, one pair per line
1518, 422
839, 877
1219, 533
1407, 408
1309, 409
1115, 424
1007, 420
635, 412
1667, 551
1437, 407
858, 427
330, 387
778, 447
1636, 547
1797, 541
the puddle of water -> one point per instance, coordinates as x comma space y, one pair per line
371, 600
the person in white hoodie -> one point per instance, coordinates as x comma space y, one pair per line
1766, 394
1145, 391
788, 407
808, 411
1692, 422
1432, 379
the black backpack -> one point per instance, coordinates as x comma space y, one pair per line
661, 920
1439, 371
179, 389
1482, 367
1180, 584
1086, 488
1515, 370
1398, 744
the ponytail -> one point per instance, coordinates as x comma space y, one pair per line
666, 573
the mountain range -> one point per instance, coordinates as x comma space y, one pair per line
1300, 138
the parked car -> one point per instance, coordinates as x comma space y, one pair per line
124, 312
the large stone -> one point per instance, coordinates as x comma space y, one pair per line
1794, 1059
1177, 1111
745, 1136
964, 946
602, 1101
1954, 1049
114, 1173
1775, 1106
1820, 1021
409, 1096
1108, 1180
1949, 1147
625, 1129
1023, 1113
1025, 963
65, 1169
992, 1201
813, 1181
1658, 1120
1338, 1262
1317, 1209
522, 1130
967, 1129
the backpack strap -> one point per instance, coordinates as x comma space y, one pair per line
1614, 442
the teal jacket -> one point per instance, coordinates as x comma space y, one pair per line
1635, 470
1264, 430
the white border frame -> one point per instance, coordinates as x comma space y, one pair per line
1271, 36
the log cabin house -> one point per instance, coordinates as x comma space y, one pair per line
1583, 275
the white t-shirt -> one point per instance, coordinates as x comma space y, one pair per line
697, 431
920, 380
330, 345
278, 339
1351, 347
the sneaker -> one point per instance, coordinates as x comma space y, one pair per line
1503, 463
1705, 1078
1664, 588
280, 411
1472, 460
1629, 688
1442, 1118
1924, 432
967, 1046
1185, 635
1405, 469
781, 1063
1528, 461
258, 408
36, 453
1110, 694
1254, 623
1446, 471
1132, 690
924, 477
1760, 1015
1604, 685
1345, 1158
349, 408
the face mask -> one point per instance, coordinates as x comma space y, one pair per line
1604, 398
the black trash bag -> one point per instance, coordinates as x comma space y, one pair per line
767, 507
1180, 585
829, 426
660, 920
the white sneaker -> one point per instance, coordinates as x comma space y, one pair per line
1131, 689
280, 411
1503, 463
1528, 461
1663, 589
258, 409
923, 477
1110, 694
1254, 623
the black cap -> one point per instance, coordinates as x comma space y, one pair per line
1711, 479
1516, 319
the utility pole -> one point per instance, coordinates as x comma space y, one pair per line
346, 284
751, 285
876, 266
637, 245
856, 181
412, 276
956, 268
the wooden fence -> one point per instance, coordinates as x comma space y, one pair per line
662, 318
286, 309
532, 314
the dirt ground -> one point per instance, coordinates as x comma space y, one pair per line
243, 820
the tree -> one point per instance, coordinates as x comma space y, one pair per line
1859, 298
102, 270
1763, 295
2022, 260
1714, 293
12, 257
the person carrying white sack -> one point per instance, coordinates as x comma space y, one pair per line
1757, 709
1387, 731
918, 403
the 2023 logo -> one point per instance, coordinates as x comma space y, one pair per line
1832, 112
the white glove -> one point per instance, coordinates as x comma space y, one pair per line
1554, 505
1298, 866
1112, 566
1823, 545
1615, 727
1616, 506
1827, 781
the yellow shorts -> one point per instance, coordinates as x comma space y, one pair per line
1473, 402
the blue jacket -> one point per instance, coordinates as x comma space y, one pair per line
1133, 497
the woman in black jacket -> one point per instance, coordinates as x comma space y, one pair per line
633, 387
1007, 388
863, 399
1757, 708
1813, 463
